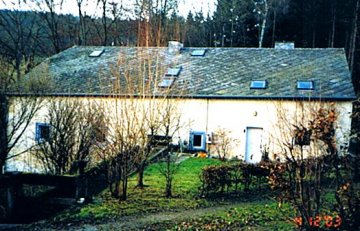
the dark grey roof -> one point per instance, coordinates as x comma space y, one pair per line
222, 72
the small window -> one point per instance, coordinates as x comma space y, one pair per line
173, 71
258, 84
42, 132
199, 52
305, 85
197, 141
166, 82
97, 53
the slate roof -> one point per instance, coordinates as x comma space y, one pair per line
221, 73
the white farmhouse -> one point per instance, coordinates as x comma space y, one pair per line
249, 93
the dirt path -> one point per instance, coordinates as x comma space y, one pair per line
139, 222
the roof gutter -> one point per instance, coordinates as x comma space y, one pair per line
230, 97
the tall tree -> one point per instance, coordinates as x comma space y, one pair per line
354, 36
262, 9
235, 23
104, 20
82, 26
73, 131
196, 30
111, 13
20, 31
152, 17
49, 10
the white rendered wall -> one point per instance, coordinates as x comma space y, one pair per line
207, 115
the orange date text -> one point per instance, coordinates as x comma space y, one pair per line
321, 221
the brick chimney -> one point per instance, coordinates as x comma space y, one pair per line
285, 45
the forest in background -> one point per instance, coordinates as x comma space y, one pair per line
27, 37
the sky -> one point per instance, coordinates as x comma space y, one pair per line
70, 7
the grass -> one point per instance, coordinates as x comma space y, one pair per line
251, 209
263, 215
150, 199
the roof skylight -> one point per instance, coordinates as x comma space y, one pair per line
166, 82
198, 52
305, 85
173, 71
258, 84
97, 53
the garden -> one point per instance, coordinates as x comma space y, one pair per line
159, 186
207, 194
188, 208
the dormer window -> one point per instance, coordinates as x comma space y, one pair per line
305, 85
258, 84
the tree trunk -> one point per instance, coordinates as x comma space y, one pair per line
54, 31
274, 27
124, 188
232, 25
223, 36
104, 22
81, 26
3, 130
168, 192
263, 24
333, 26
141, 170
168, 186
139, 33
313, 43
353, 38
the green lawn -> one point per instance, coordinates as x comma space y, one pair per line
254, 209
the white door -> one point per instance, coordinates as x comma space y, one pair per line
253, 145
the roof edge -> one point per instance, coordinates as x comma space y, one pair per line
232, 97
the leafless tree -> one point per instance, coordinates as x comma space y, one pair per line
168, 168
82, 26
142, 112
311, 155
152, 18
354, 37
171, 124
19, 42
49, 13
17, 108
262, 9
223, 141
73, 132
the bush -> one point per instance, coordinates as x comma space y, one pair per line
217, 179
